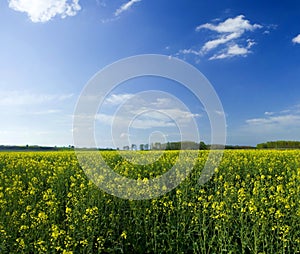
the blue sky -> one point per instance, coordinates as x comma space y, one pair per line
248, 50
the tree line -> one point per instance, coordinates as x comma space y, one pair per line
34, 148
281, 144
185, 145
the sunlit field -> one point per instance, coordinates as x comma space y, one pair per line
250, 205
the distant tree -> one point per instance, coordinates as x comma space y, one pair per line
141, 147
126, 148
146, 147
176, 145
156, 146
172, 145
262, 146
168, 146
189, 145
133, 147
202, 146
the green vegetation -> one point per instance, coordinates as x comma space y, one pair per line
280, 145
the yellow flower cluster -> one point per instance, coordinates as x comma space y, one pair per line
250, 205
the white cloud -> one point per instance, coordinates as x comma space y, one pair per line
234, 50
209, 45
141, 114
272, 125
47, 112
21, 98
126, 6
250, 43
237, 50
33, 135
190, 51
220, 113
148, 119
269, 28
296, 39
228, 41
268, 113
231, 25
45, 10
145, 111
116, 99
116, 15
124, 135
284, 119
148, 122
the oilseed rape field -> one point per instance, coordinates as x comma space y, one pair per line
250, 205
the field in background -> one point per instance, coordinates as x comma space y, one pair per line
251, 205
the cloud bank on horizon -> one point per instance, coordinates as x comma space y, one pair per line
156, 112
284, 124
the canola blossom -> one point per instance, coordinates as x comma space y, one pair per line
250, 205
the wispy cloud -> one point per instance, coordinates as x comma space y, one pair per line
45, 10
20, 98
146, 121
283, 120
138, 116
190, 51
117, 13
126, 6
47, 112
271, 125
209, 45
101, 3
35, 135
228, 41
116, 99
233, 50
296, 39
150, 113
